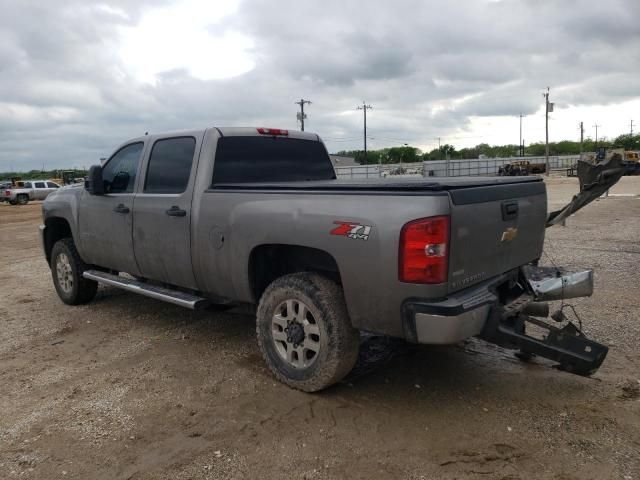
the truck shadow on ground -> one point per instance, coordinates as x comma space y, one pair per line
382, 360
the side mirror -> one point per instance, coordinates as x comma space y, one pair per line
94, 184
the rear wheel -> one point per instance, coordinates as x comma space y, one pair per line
23, 199
12, 202
304, 331
66, 269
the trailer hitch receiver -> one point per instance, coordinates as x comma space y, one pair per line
568, 345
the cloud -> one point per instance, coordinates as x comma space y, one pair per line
78, 77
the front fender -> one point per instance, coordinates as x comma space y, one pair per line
63, 204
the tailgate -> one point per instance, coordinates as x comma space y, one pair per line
495, 229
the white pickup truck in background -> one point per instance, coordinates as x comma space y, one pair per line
31, 190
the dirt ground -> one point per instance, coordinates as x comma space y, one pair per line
131, 388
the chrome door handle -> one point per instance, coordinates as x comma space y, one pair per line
176, 211
121, 209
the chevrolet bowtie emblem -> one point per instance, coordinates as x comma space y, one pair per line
509, 234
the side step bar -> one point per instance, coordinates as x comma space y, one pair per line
168, 295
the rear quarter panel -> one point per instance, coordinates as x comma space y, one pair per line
368, 268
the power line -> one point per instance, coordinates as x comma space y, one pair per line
301, 116
329, 137
381, 136
364, 108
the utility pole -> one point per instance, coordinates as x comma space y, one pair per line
581, 139
364, 108
402, 155
446, 157
632, 128
596, 125
548, 108
521, 145
301, 116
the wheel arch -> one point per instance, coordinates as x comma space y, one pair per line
268, 262
56, 228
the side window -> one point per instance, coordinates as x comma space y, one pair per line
119, 173
170, 165
52, 185
26, 185
40, 185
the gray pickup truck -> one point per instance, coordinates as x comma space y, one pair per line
246, 215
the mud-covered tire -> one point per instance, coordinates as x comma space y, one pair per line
337, 340
12, 202
22, 199
66, 269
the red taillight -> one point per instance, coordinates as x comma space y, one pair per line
7, 193
424, 251
273, 131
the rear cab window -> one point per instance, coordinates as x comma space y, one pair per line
270, 159
170, 165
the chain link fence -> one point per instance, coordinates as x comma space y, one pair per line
451, 168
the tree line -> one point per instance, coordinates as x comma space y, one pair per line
408, 154
42, 174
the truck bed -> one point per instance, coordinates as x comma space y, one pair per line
377, 184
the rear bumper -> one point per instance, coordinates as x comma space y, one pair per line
452, 320
442, 329
478, 311
465, 313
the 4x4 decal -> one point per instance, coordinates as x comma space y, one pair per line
352, 230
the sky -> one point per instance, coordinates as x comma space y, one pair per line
79, 77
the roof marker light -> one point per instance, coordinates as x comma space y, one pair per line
273, 131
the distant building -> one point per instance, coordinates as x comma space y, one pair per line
341, 161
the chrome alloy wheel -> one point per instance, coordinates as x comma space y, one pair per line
295, 333
64, 273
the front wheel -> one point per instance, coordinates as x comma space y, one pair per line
304, 331
66, 269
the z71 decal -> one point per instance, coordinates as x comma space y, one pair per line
352, 230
